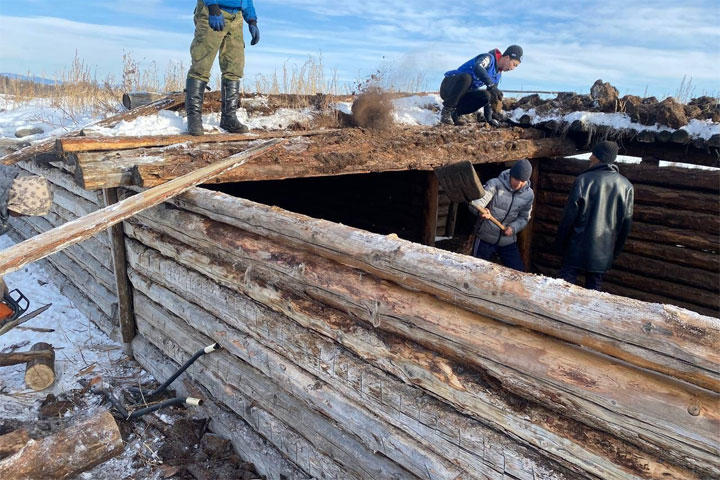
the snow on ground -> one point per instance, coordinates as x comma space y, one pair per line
696, 128
36, 113
79, 344
412, 110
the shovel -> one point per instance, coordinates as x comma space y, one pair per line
461, 184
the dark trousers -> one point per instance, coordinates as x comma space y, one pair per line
593, 280
456, 93
509, 254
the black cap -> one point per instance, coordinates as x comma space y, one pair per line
606, 151
521, 170
515, 52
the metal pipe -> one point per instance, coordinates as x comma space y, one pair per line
166, 403
164, 386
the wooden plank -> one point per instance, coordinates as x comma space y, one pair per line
97, 144
45, 244
602, 392
577, 316
126, 315
444, 429
430, 210
250, 445
351, 151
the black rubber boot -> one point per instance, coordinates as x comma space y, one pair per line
194, 95
446, 115
230, 100
487, 116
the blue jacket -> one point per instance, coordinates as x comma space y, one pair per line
482, 68
232, 6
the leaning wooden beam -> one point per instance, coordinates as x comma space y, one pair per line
587, 451
251, 447
66, 453
99, 144
13, 442
48, 145
673, 341
591, 388
47, 243
333, 153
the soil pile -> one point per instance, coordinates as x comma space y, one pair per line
373, 109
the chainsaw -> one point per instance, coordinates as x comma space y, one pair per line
13, 304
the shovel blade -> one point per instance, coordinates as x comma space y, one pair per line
460, 182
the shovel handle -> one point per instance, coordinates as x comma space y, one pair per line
492, 219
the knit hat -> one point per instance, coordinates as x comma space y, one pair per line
521, 170
606, 152
30, 196
515, 52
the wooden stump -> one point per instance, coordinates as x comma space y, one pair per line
40, 372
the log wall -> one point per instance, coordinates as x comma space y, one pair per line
673, 253
333, 349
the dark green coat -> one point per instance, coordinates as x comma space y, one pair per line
597, 219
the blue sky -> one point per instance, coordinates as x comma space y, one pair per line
636, 46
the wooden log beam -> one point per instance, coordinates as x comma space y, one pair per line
66, 453
602, 392
100, 144
48, 145
585, 452
58, 177
40, 371
250, 445
351, 151
13, 442
642, 173
47, 243
430, 210
577, 316
126, 314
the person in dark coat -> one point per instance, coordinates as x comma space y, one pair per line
597, 218
461, 89
509, 198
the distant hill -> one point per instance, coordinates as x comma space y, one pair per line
33, 78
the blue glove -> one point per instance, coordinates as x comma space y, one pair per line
254, 31
216, 19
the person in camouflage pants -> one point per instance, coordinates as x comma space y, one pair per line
219, 28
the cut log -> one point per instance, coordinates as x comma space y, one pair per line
15, 358
99, 144
350, 151
66, 453
132, 100
585, 452
493, 291
47, 243
573, 381
13, 442
40, 371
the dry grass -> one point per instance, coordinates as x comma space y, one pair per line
310, 78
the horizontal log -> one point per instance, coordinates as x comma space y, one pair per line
693, 221
99, 144
650, 267
397, 403
7, 359
351, 151
550, 217
674, 254
13, 442
490, 290
674, 177
96, 247
251, 447
348, 415
684, 200
672, 152
74, 204
220, 372
58, 177
78, 298
585, 383
649, 283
